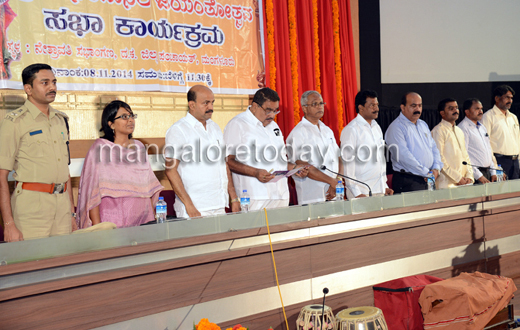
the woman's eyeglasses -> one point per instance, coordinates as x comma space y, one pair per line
127, 116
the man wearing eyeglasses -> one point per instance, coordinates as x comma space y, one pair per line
202, 186
363, 149
33, 143
312, 142
255, 149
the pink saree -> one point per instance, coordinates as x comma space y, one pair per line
121, 182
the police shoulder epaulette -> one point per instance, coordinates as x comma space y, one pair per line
15, 114
62, 114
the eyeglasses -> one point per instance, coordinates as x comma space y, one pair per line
127, 116
315, 104
269, 111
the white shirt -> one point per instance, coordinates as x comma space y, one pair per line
317, 146
202, 165
363, 155
503, 131
259, 147
478, 146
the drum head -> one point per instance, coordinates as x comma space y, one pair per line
315, 309
358, 313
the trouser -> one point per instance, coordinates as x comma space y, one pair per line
38, 214
510, 165
405, 182
485, 173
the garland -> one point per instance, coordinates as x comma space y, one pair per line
269, 14
337, 61
317, 72
294, 59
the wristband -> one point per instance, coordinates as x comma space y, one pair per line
7, 223
235, 200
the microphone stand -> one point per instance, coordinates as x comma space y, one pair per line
323, 167
325, 291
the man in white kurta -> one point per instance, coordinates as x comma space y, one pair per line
312, 142
363, 149
195, 162
452, 147
255, 148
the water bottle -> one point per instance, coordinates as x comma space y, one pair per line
500, 173
431, 181
244, 201
340, 191
160, 210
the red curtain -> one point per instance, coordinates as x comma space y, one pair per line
348, 62
285, 118
306, 60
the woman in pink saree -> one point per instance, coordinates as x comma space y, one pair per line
117, 182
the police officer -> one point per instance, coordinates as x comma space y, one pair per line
33, 143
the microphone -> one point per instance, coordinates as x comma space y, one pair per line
325, 291
486, 167
323, 167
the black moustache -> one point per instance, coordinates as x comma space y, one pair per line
209, 111
417, 113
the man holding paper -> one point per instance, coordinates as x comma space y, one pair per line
255, 149
312, 142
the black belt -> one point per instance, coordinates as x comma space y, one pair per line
514, 157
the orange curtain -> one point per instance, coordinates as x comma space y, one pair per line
313, 49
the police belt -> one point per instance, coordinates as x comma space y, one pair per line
51, 188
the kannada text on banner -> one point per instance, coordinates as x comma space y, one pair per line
135, 45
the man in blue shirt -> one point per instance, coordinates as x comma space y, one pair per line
413, 150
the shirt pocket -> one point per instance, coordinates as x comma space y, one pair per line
36, 143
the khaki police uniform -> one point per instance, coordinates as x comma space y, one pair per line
35, 147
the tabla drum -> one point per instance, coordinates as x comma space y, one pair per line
361, 318
310, 318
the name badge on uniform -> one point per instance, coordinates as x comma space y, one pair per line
35, 132
276, 131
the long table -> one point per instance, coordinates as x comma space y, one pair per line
168, 276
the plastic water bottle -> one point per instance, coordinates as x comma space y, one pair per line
244, 201
160, 210
340, 191
500, 173
431, 181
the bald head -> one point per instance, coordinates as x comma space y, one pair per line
192, 93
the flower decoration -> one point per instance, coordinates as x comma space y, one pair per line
269, 15
293, 40
205, 324
337, 62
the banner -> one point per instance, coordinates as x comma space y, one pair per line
135, 45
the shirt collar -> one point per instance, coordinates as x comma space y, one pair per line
406, 120
35, 112
363, 121
499, 112
447, 123
305, 121
250, 118
194, 121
